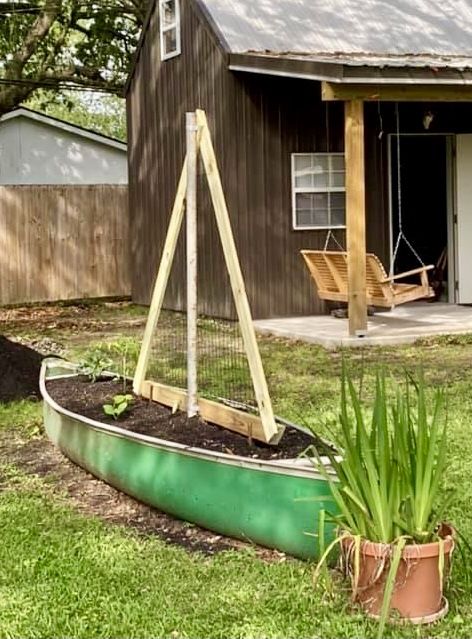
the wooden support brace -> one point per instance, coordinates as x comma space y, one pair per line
236, 278
355, 217
162, 279
213, 412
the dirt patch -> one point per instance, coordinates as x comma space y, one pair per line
149, 418
91, 496
19, 371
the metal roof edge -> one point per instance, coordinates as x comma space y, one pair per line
206, 15
286, 67
338, 72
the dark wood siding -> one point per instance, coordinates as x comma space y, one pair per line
257, 121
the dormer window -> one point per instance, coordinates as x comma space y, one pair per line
169, 23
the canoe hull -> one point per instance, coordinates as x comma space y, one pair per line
265, 503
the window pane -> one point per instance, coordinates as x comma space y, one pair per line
304, 218
337, 200
312, 201
323, 172
321, 217
338, 217
304, 179
337, 179
170, 41
337, 162
320, 163
312, 209
168, 13
303, 201
302, 162
321, 180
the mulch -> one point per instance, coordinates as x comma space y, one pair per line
79, 395
19, 371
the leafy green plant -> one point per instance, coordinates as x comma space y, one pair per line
94, 364
125, 350
388, 472
120, 404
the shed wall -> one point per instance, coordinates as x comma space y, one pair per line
256, 123
36, 153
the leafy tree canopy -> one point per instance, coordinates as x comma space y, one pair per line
104, 114
59, 44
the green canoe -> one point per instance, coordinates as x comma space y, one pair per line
264, 502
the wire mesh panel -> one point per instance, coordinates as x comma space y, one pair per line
222, 367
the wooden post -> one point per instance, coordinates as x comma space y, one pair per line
271, 430
355, 217
191, 217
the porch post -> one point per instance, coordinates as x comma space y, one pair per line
355, 216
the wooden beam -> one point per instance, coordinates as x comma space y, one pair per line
395, 92
162, 279
355, 217
236, 279
212, 412
191, 257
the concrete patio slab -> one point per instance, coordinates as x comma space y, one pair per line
402, 325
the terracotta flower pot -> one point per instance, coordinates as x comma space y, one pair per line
418, 591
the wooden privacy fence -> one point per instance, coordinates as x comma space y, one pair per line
63, 242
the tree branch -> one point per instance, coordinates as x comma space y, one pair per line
38, 31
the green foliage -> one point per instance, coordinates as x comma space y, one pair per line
389, 474
94, 364
80, 44
105, 114
119, 406
127, 351
68, 575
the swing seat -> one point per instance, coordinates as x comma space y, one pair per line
329, 271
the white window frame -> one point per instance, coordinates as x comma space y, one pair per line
170, 27
307, 189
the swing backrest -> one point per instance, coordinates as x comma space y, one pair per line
375, 275
329, 270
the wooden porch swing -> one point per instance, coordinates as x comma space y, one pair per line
329, 269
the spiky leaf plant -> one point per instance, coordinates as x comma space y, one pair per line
388, 471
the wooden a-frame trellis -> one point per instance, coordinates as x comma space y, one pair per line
262, 426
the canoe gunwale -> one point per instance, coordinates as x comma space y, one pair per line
293, 467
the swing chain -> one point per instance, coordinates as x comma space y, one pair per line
401, 233
331, 236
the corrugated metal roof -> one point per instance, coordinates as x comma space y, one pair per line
419, 33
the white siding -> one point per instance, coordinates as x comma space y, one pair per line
36, 153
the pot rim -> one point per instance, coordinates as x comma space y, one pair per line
412, 551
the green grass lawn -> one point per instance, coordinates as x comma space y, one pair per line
66, 574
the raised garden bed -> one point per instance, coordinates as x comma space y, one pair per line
192, 470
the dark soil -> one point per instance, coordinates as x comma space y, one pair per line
149, 418
19, 371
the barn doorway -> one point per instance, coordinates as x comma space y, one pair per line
425, 193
